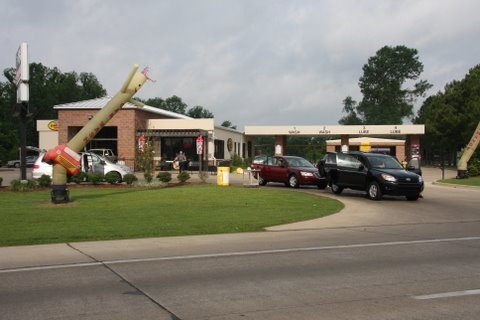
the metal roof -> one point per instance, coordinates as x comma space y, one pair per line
99, 103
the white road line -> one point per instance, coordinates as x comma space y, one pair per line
239, 253
273, 251
51, 267
448, 294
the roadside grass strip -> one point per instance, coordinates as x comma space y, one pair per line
125, 213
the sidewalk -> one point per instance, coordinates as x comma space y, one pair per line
431, 174
233, 178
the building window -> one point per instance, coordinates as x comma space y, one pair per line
219, 152
106, 138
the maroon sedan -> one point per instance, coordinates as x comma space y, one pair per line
291, 170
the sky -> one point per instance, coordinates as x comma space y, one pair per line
251, 62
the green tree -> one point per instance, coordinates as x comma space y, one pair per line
199, 112
155, 102
385, 99
228, 124
145, 157
349, 107
264, 145
9, 138
310, 148
48, 87
175, 104
450, 117
90, 86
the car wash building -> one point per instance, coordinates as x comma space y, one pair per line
352, 137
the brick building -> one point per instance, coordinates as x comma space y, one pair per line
168, 132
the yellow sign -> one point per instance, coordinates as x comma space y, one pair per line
365, 146
53, 125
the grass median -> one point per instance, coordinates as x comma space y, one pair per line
472, 181
125, 213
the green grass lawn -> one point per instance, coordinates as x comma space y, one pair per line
472, 181
119, 213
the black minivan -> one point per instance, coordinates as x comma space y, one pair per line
377, 174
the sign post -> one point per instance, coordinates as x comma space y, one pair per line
200, 151
22, 76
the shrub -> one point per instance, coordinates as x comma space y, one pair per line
148, 176
23, 185
113, 177
129, 178
95, 177
473, 164
474, 167
80, 177
183, 176
237, 161
164, 176
1, 180
44, 181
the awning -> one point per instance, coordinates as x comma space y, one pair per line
173, 133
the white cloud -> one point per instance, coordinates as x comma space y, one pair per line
250, 62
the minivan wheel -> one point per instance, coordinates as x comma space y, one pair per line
293, 181
374, 191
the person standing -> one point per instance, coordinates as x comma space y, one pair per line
182, 161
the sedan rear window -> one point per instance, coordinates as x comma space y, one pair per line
298, 162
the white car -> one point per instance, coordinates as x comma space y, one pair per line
90, 162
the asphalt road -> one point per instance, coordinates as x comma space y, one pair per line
390, 259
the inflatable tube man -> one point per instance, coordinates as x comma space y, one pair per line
66, 157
